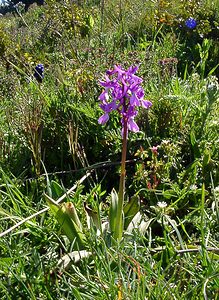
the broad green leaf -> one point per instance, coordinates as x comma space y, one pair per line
65, 215
113, 211
56, 189
71, 211
69, 227
130, 210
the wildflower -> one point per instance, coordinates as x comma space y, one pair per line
123, 93
166, 142
161, 204
191, 23
154, 150
193, 187
39, 73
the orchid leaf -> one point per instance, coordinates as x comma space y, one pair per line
71, 211
130, 210
113, 211
67, 217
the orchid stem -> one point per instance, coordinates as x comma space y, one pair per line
122, 184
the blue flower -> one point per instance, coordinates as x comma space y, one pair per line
191, 23
39, 72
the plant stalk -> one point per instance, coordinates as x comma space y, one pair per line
121, 195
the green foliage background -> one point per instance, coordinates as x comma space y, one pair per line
49, 137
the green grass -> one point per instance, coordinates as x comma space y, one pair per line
50, 137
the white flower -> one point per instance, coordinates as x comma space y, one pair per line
193, 187
165, 142
162, 204
216, 190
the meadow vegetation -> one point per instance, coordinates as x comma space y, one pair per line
69, 226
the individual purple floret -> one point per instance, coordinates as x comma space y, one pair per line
191, 23
122, 92
39, 72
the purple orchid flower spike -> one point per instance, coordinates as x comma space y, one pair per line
123, 93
